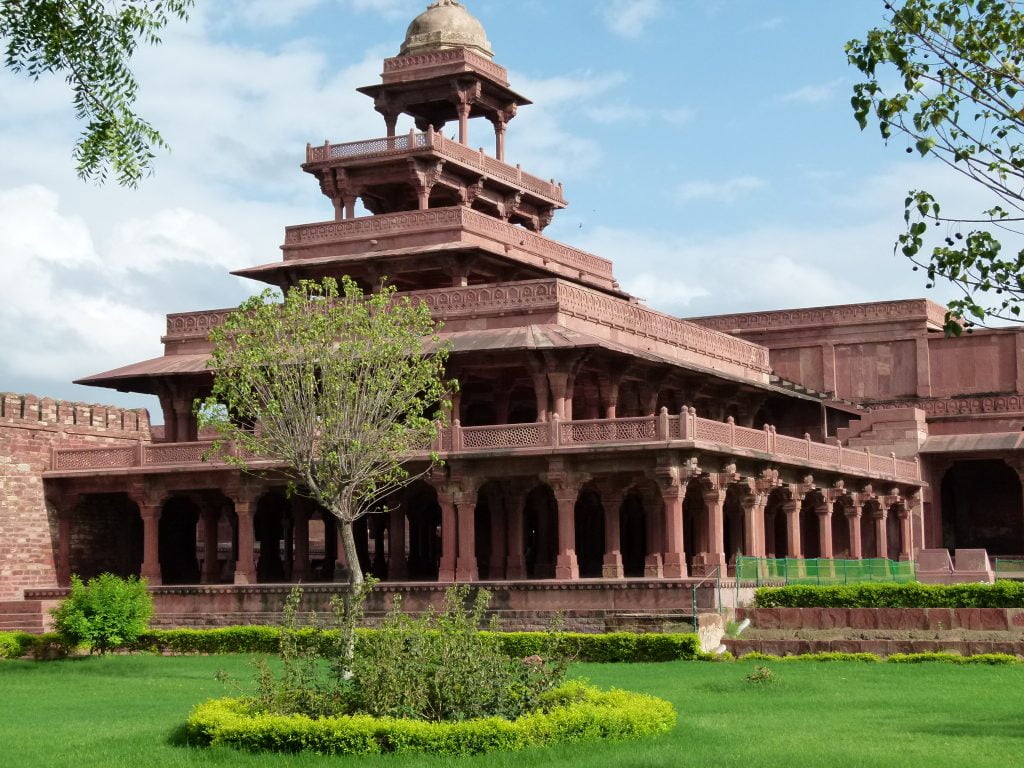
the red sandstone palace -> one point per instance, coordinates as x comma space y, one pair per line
596, 443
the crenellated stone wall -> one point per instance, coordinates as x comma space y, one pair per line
29, 428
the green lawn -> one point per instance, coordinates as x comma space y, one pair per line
127, 711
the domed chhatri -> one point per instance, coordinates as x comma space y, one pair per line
445, 24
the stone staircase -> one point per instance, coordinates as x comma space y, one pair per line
22, 616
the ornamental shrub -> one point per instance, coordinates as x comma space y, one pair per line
1002, 594
442, 667
105, 613
569, 713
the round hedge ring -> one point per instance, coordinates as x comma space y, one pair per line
572, 712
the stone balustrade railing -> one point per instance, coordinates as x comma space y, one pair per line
660, 431
414, 143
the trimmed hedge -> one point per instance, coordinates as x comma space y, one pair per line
573, 712
614, 647
1002, 594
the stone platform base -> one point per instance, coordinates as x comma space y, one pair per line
657, 605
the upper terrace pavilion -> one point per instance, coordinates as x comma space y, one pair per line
592, 437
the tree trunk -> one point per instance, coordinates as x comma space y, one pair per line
348, 540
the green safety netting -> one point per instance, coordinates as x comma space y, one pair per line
1008, 568
790, 570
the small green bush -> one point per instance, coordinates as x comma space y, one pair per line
994, 659
570, 713
105, 613
1002, 594
870, 658
14, 645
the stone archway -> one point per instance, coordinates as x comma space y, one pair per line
589, 522
178, 524
107, 537
540, 532
983, 507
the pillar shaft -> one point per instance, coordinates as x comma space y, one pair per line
824, 513
465, 566
753, 526
853, 520
794, 547
673, 558
611, 565
449, 537
714, 504
151, 543
245, 565
566, 565
881, 535
906, 536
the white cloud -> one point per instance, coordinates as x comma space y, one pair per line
727, 191
62, 316
629, 18
814, 94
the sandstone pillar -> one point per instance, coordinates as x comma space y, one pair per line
558, 382
673, 558
566, 565
881, 532
449, 537
465, 564
150, 543
714, 509
853, 515
611, 564
906, 534
753, 524
540, 391
794, 547
824, 512
245, 565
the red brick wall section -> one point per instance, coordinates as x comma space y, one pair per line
29, 426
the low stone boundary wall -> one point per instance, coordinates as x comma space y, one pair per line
936, 619
740, 646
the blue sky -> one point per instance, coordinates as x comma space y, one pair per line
707, 146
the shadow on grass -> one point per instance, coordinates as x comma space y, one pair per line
1004, 729
178, 737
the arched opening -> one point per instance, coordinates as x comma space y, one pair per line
841, 547
732, 522
695, 522
633, 534
107, 537
894, 532
178, 561
589, 515
810, 526
982, 508
423, 518
490, 529
776, 527
868, 539
540, 532
272, 531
